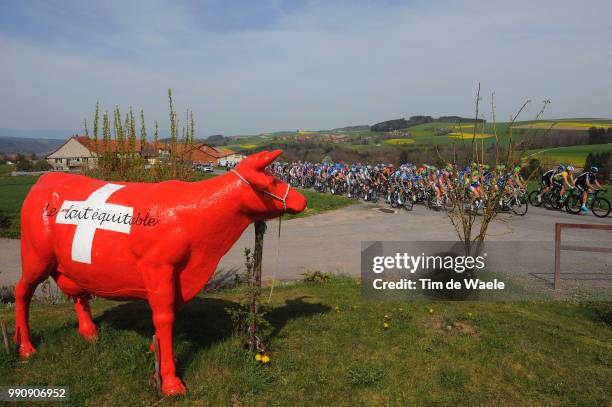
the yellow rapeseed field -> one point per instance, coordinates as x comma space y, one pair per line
469, 136
463, 126
248, 146
399, 141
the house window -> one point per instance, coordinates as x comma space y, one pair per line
58, 160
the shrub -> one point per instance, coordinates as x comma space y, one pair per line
316, 276
22, 163
7, 294
42, 165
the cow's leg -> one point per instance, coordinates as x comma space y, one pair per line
160, 284
34, 271
87, 328
23, 295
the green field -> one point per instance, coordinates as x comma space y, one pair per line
574, 155
319, 203
328, 348
423, 135
13, 191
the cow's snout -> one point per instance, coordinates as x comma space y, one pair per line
296, 202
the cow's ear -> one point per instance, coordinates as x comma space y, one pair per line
252, 160
259, 180
265, 158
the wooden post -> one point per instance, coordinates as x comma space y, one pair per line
559, 246
557, 254
260, 229
4, 336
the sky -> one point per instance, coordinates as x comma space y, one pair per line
247, 67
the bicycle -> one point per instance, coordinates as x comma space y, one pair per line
599, 206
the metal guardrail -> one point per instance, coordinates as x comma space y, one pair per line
559, 246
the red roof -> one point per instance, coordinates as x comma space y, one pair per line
113, 145
198, 150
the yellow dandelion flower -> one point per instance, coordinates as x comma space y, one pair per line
258, 357
265, 359
385, 326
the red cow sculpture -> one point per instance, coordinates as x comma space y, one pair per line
160, 242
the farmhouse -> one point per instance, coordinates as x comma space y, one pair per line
229, 156
81, 151
202, 153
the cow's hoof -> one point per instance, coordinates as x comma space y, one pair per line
26, 350
88, 331
172, 386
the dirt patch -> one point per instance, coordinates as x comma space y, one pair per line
464, 328
456, 327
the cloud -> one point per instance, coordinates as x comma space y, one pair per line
310, 65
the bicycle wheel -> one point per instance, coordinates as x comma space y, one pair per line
393, 200
553, 201
600, 207
520, 206
573, 204
409, 202
534, 198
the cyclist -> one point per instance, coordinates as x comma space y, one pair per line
564, 178
584, 183
518, 179
547, 182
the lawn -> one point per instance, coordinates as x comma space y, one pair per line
328, 347
13, 191
319, 203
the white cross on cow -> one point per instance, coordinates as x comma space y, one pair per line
80, 213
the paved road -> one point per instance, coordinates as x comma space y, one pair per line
332, 241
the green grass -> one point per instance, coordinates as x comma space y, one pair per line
574, 155
319, 203
5, 169
13, 191
328, 347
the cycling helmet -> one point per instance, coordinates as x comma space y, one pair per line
570, 168
561, 167
517, 168
594, 169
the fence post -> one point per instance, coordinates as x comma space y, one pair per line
260, 229
4, 336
